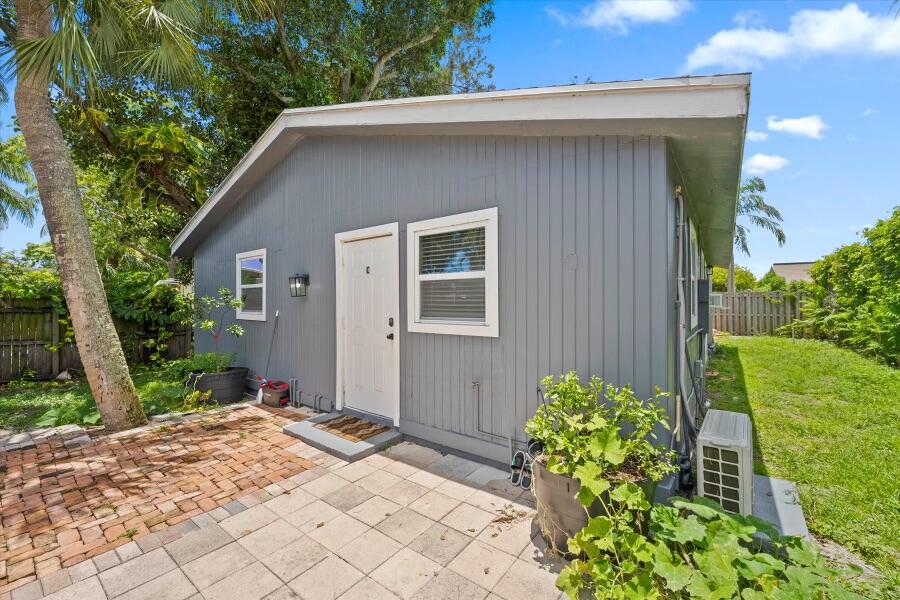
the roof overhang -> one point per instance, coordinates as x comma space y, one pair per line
704, 117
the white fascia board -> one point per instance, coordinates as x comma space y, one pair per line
686, 102
712, 97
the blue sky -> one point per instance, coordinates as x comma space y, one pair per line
826, 84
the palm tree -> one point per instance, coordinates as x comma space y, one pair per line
14, 169
754, 208
64, 46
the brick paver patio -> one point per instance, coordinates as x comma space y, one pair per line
64, 501
408, 523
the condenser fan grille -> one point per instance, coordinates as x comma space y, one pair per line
721, 469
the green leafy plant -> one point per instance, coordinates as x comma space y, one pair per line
599, 433
205, 362
854, 300
691, 549
209, 315
83, 413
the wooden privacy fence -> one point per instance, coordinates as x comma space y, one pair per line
30, 330
756, 313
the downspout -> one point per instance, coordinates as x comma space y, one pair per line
684, 419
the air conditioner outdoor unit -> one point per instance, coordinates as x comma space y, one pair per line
725, 460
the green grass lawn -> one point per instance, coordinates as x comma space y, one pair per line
23, 402
829, 420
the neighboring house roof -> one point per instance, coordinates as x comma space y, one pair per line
704, 119
793, 271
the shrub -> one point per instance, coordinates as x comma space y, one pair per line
596, 430
203, 362
743, 279
855, 297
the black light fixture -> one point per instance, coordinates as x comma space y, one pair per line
298, 285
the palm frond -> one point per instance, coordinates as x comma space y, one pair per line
770, 225
740, 239
14, 204
66, 55
93, 38
110, 30
753, 207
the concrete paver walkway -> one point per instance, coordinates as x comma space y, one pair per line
406, 523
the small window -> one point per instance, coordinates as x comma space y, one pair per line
251, 284
452, 275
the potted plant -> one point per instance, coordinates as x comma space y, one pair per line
592, 435
224, 382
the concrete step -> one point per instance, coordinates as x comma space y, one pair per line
338, 446
777, 501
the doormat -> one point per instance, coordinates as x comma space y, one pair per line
351, 428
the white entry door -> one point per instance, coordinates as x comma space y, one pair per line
370, 326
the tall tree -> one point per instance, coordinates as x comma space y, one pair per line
14, 169
316, 52
166, 148
58, 46
756, 212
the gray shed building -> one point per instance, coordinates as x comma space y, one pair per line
459, 248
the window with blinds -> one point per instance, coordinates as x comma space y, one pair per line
453, 282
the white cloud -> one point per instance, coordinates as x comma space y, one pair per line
812, 126
846, 30
759, 164
620, 15
748, 18
869, 112
757, 136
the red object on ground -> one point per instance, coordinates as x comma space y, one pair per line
276, 385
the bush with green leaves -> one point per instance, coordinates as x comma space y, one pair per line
210, 313
691, 549
744, 279
855, 297
201, 362
598, 430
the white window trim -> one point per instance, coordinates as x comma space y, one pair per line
245, 315
487, 218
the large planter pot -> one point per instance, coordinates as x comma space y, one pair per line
560, 514
225, 387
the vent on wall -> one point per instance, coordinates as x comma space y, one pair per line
725, 460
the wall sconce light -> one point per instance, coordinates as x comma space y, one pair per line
298, 285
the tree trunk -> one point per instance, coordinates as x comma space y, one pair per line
730, 284
96, 337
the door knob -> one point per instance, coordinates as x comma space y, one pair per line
390, 336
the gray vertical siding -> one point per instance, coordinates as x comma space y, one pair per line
586, 238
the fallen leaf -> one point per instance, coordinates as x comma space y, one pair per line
320, 524
487, 570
